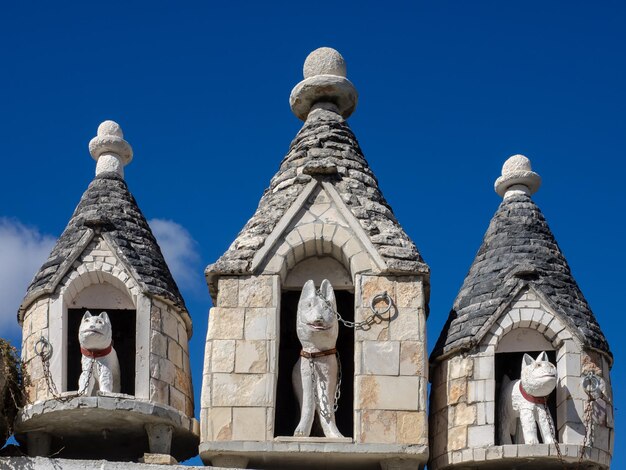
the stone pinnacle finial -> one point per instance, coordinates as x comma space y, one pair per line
517, 177
324, 82
110, 149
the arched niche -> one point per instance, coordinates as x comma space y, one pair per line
508, 358
96, 292
317, 268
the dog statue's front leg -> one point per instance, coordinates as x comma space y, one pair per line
329, 368
86, 381
306, 399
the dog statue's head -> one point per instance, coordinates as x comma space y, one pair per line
316, 324
538, 375
95, 331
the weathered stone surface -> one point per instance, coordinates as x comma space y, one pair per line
388, 393
226, 323
378, 426
380, 357
518, 249
228, 293
260, 324
412, 358
457, 437
464, 414
457, 391
80, 423
242, 390
249, 424
108, 204
318, 453
223, 355
220, 424
256, 292
324, 129
251, 357
412, 427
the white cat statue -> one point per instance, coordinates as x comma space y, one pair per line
315, 374
94, 336
525, 399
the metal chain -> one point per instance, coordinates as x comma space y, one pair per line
43, 349
322, 401
555, 439
588, 422
374, 318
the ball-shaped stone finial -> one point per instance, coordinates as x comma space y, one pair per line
110, 149
324, 85
517, 177
515, 163
110, 128
324, 61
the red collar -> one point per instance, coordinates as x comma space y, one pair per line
313, 355
93, 353
531, 398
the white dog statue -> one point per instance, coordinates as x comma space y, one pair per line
526, 399
315, 374
96, 345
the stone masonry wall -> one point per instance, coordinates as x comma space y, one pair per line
96, 263
463, 402
391, 373
35, 326
240, 362
170, 371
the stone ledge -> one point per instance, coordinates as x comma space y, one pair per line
521, 457
44, 463
91, 425
313, 454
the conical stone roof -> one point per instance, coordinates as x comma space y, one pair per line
325, 149
518, 251
108, 208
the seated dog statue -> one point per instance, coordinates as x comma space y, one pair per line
100, 366
526, 399
315, 374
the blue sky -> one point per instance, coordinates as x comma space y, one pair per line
448, 90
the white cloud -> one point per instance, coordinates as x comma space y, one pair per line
22, 252
180, 252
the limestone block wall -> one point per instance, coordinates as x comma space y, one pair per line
463, 403
170, 371
98, 279
240, 362
34, 326
391, 374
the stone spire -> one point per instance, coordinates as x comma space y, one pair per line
324, 83
518, 250
517, 178
110, 149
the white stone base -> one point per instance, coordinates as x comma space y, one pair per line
103, 426
41, 463
313, 454
522, 457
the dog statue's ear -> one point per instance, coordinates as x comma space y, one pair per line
527, 360
326, 289
543, 357
87, 315
105, 317
308, 291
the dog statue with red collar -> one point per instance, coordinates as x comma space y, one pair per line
315, 374
100, 366
526, 399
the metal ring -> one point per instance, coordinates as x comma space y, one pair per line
591, 383
384, 296
43, 348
